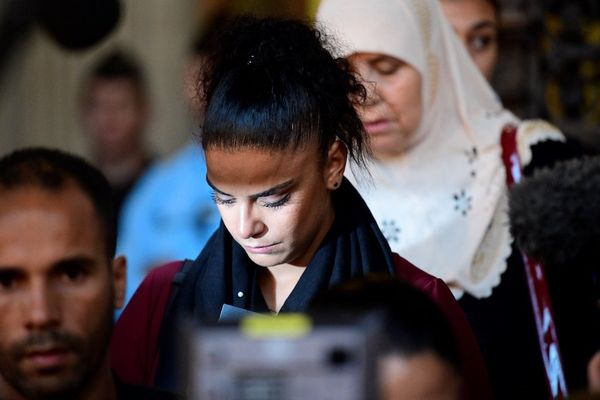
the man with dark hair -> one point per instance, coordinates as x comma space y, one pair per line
114, 114
59, 280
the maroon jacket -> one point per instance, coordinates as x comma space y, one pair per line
134, 345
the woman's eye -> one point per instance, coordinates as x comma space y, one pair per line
387, 67
222, 200
480, 43
276, 203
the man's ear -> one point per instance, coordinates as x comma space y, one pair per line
336, 164
119, 276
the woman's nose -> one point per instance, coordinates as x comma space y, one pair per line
372, 94
250, 225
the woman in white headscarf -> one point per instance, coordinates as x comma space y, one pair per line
439, 190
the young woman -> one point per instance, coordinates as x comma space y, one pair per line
280, 124
440, 186
476, 22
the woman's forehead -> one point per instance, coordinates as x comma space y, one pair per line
257, 169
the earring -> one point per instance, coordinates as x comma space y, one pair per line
336, 185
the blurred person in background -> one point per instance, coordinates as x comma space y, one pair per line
418, 358
476, 22
114, 112
170, 213
593, 373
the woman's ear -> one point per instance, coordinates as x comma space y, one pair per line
335, 165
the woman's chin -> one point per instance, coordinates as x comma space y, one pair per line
391, 146
388, 152
264, 260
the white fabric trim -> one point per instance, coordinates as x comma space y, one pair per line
534, 131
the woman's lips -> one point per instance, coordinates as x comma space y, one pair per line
260, 249
376, 126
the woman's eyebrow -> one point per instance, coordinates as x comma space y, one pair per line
272, 190
483, 24
216, 189
379, 58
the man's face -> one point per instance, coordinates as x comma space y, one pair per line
57, 292
114, 115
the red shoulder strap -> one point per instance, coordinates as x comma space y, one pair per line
536, 280
134, 342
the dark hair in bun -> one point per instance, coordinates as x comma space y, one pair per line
271, 84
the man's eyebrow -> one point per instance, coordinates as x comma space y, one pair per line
75, 261
10, 271
271, 191
78, 260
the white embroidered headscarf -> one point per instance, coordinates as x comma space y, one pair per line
442, 204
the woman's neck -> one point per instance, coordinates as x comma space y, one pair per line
276, 284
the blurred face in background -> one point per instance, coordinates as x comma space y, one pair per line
393, 110
476, 24
114, 116
423, 376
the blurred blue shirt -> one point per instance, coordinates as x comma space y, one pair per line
169, 215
